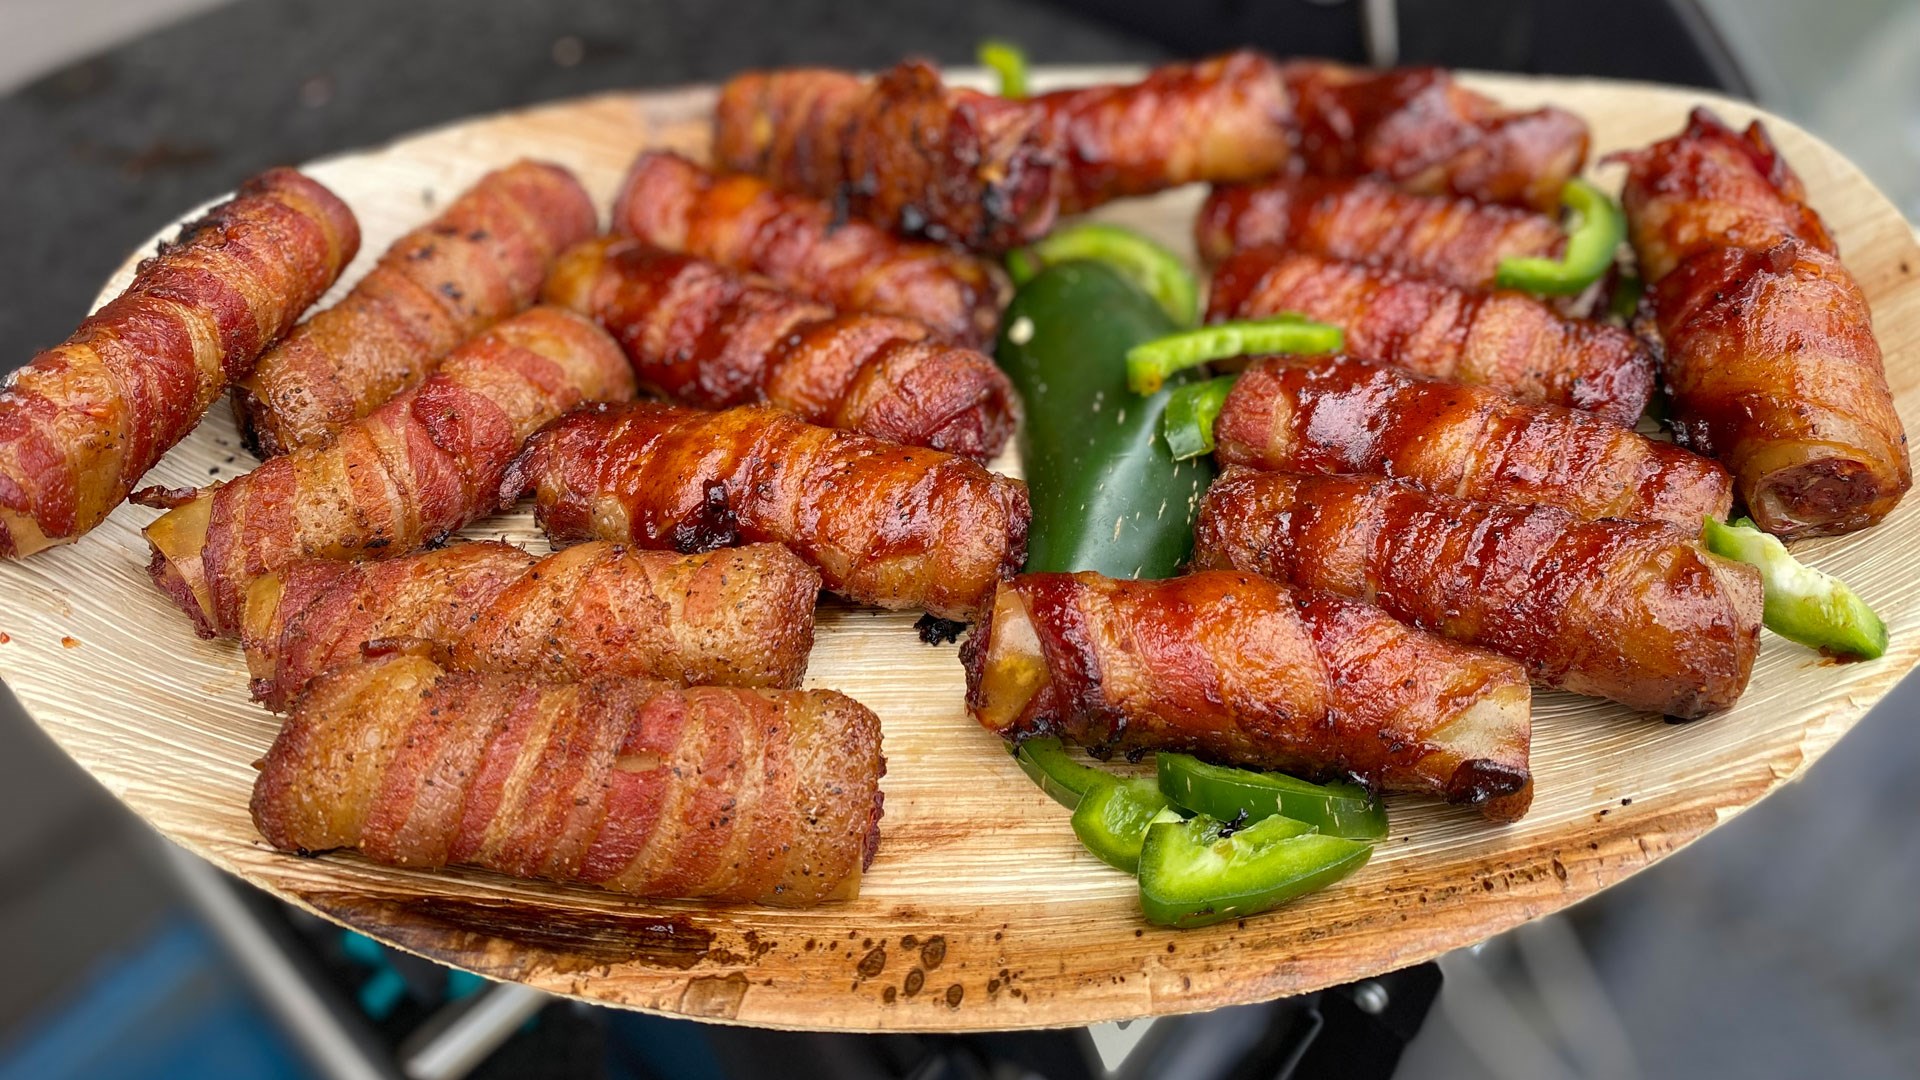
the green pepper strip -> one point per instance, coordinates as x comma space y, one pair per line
1217, 791
1202, 871
1802, 604
1593, 237
1148, 265
1009, 62
1112, 820
1150, 363
1066, 780
1187, 424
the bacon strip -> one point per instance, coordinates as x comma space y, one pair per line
702, 335
1452, 240
633, 785
738, 617
886, 525
480, 261
1246, 671
84, 420
1338, 415
406, 475
1419, 129
1632, 611
806, 246
1503, 339
1771, 365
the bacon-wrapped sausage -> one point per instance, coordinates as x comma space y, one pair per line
84, 420
1244, 670
1338, 415
1710, 187
1454, 240
1771, 364
902, 150
480, 261
1503, 339
806, 246
633, 785
702, 335
736, 617
1223, 119
1633, 611
886, 525
1423, 131
405, 475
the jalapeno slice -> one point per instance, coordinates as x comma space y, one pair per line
1046, 762
1150, 363
1009, 62
1801, 604
1157, 271
1203, 871
1112, 820
1187, 425
1345, 810
1597, 230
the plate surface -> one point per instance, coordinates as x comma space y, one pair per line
981, 911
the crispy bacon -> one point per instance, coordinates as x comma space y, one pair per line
703, 335
404, 476
901, 150
1771, 364
480, 261
1633, 611
887, 525
1503, 339
84, 420
806, 246
1420, 129
633, 785
1338, 415
1243, 670
737, 617
1453, 240
1710, 187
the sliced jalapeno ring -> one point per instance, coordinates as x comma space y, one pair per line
1592, 241
1150, 363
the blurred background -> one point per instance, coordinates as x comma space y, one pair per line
1784, 944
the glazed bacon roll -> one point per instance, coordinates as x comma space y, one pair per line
633, 785
1449, 239
84, 420
1244, 670
480, 261
1771, 363
703, 335
1711, 187
1419, 129
1339, 415
902, 150
892, 526
1633, 611
807, 246
735, 617
406, 475
1504, 339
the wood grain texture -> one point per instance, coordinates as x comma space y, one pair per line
981, 911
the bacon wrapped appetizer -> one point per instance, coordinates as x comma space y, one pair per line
807, 246
901, 150
83, 421
1243, 670
480, 261
632, 785
1504, 339
406, 475
736, 617
702, 335
1771, 364
1710, 187
1419, 129
886, 525
1339, 415
1452, 240
1633, 611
